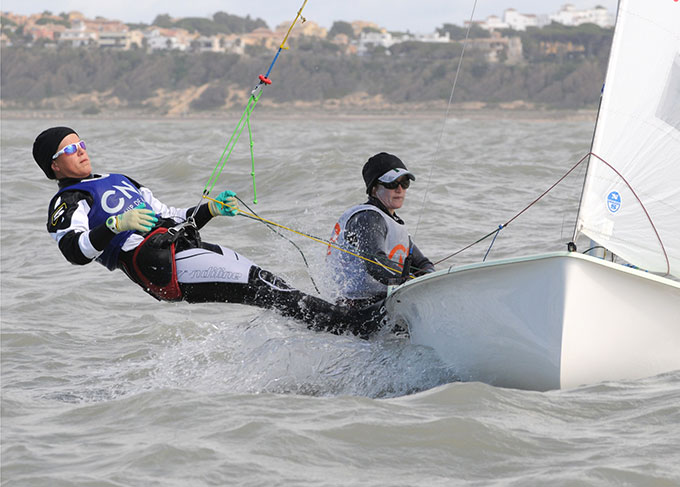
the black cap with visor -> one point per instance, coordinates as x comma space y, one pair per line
385, 168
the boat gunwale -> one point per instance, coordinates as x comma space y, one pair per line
638, 273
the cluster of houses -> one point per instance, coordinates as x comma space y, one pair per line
568, 15
112, 34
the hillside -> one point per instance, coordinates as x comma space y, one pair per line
313, 72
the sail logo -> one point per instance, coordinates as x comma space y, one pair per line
614, 201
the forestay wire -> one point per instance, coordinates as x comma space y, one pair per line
496, 231
446, 116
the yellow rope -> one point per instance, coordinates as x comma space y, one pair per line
256, 217
299, 14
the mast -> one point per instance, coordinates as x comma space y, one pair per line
592, 139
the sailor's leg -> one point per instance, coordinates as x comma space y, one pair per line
273, 292
213, 274
218, 274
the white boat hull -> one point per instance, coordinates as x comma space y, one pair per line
545, 322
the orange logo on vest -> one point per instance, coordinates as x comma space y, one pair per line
398, 248
334, 237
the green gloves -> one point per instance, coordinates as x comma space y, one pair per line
229, 206
137, 219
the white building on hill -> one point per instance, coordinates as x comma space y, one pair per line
370, 40
493, 22
518, 21
512, 19
568, 15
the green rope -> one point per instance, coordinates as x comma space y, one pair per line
245, 120
221, 163
252, 162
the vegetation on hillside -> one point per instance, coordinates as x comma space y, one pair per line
221, 23
563, 68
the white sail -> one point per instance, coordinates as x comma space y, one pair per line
631, 200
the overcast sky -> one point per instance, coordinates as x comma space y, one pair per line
415, 15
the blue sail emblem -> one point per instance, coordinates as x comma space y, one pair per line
614, 201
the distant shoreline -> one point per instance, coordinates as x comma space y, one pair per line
296, 112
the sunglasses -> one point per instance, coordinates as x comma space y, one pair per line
70, 149
404, 183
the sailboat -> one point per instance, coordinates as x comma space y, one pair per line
565, 319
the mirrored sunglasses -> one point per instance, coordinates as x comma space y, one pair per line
70, 149
404, 183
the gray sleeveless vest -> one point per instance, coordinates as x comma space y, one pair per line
348, 272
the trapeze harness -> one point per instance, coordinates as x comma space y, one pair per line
349, 272
168, 256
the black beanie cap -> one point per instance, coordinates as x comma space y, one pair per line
46, 145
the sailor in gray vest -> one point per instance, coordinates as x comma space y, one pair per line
374, 232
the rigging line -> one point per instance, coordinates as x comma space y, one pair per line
253, 216
283, 44
245, 117
525, 209
243, 122
592, 143
500, 227
548, 190
446, 116
466, 247
252, 165
304, 258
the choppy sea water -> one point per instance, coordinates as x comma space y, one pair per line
104, 386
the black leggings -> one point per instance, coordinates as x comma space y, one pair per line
265, 290
215, 274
